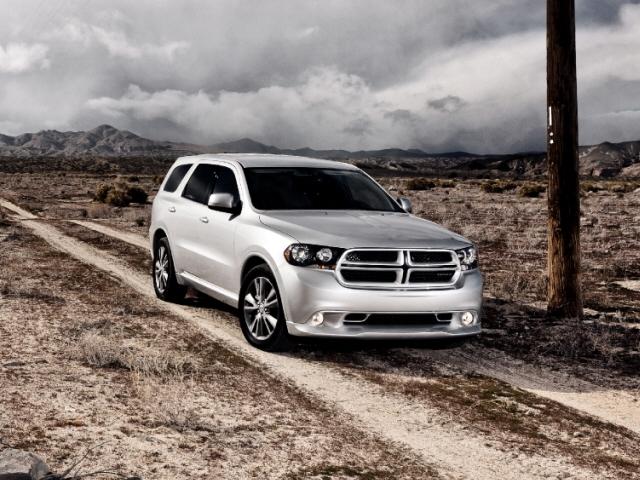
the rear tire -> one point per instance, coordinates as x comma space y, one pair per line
165, 282
262, 317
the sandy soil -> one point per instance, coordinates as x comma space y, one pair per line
612, 404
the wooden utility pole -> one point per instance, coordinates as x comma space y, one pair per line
564, 295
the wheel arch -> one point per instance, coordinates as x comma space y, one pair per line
253, 260
157, 235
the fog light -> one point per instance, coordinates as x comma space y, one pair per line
467, 318
316, 320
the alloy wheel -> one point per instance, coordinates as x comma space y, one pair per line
161, 269
261, 308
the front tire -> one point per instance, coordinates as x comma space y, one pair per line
262, 317
165, 282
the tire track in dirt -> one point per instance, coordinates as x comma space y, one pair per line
615, 406
130, 238
437, 437
611, 405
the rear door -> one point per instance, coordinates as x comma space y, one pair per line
191, 213
165, 206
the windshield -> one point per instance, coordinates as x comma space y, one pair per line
293, 188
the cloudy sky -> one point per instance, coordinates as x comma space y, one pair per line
434, 74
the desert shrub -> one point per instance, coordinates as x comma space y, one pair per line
139, 221
120, 194
531, 190
133, 179
118, 197
101, 192
498, 186
420, 184
137, 194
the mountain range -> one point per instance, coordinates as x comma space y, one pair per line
604, 160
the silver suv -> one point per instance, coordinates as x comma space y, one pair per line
306, 247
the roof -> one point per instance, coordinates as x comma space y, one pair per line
249, 160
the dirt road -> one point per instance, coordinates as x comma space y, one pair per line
442, 438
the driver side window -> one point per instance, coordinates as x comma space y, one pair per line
226, 182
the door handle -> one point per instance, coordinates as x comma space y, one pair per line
172, 209
204, 219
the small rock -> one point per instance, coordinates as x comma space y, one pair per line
21, 465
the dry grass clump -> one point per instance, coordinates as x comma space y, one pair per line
120, 194
583, 340
95, 211
516, 285
110, 352
137, 217
531, 190
609, 186
623, 187
166, 402
498, 186
445, 183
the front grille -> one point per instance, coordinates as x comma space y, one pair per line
426, 257
431, 276
397, 268
369, 275
373, 256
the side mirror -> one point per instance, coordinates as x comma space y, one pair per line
405, 203
224, 202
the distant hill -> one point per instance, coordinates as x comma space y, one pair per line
604, 160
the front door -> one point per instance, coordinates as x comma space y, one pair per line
217, 235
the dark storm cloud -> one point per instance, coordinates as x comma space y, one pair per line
449, 104
439, 75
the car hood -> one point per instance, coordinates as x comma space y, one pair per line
360, 229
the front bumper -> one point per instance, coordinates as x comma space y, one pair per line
307, 291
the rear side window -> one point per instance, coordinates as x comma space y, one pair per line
200, 184
176, 177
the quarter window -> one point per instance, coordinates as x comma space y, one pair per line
176, 177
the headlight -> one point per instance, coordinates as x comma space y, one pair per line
468, 258
303, 255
